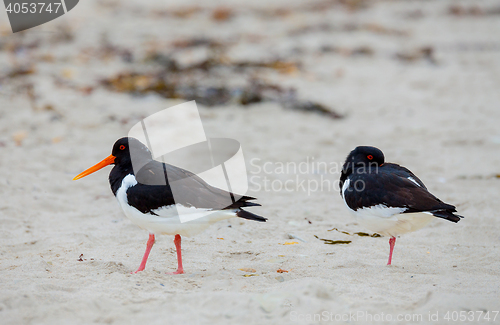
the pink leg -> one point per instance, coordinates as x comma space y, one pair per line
150, 244
177, 242
392, 242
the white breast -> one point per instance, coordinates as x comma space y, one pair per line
171, 220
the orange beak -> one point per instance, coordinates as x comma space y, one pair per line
107, 161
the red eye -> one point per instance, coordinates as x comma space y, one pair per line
370, 157
122, 147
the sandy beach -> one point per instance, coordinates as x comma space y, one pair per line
418, 79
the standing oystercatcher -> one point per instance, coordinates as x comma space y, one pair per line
387, 198
153, 207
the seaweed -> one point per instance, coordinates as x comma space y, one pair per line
362, 234
168, 85
459, 10
423, 53
334, 242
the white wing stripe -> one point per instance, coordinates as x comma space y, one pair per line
414, 181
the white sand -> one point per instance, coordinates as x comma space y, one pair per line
441, 121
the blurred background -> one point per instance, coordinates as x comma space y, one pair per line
318, 56
293, 81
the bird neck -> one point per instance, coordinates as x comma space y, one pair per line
117, 174
350, 168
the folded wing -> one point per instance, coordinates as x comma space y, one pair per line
396, 188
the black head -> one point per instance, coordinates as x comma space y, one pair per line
124, 147
364, 156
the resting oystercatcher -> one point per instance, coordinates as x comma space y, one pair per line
388, 198
153, 207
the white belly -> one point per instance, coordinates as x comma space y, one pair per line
395, 225
185, 221
388, 221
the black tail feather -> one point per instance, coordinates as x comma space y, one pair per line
448, 215
251, 204
246, 198
242, 203
250, 216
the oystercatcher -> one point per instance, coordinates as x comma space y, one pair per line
387, 198
153, 207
